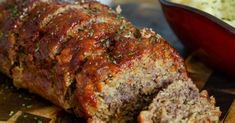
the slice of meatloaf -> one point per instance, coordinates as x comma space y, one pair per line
85, 58
181, 102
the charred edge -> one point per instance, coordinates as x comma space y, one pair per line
51, 17
61, 44
69, 95
137, 34
15, 12
71, 91
20, 49
76, 28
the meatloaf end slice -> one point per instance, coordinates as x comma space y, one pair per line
181, 102
120, 97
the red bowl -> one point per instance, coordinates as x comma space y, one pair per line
201, 31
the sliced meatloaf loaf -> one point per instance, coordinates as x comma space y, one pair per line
85, 58
181, 102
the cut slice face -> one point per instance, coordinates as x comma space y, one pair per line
181, 102
122, 95
90, 61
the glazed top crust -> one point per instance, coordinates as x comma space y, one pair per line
80, 43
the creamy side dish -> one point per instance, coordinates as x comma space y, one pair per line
222, 9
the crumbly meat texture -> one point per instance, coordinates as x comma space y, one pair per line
85, 58
181, 102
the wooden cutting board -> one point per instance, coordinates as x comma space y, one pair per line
19, 106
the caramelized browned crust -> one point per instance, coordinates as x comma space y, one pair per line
68, 53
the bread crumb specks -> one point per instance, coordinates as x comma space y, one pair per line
118, 9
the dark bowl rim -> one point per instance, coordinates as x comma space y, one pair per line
202, 13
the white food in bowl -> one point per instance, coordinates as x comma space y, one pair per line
222, 9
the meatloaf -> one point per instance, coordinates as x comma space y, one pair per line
86, 58
181, 102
